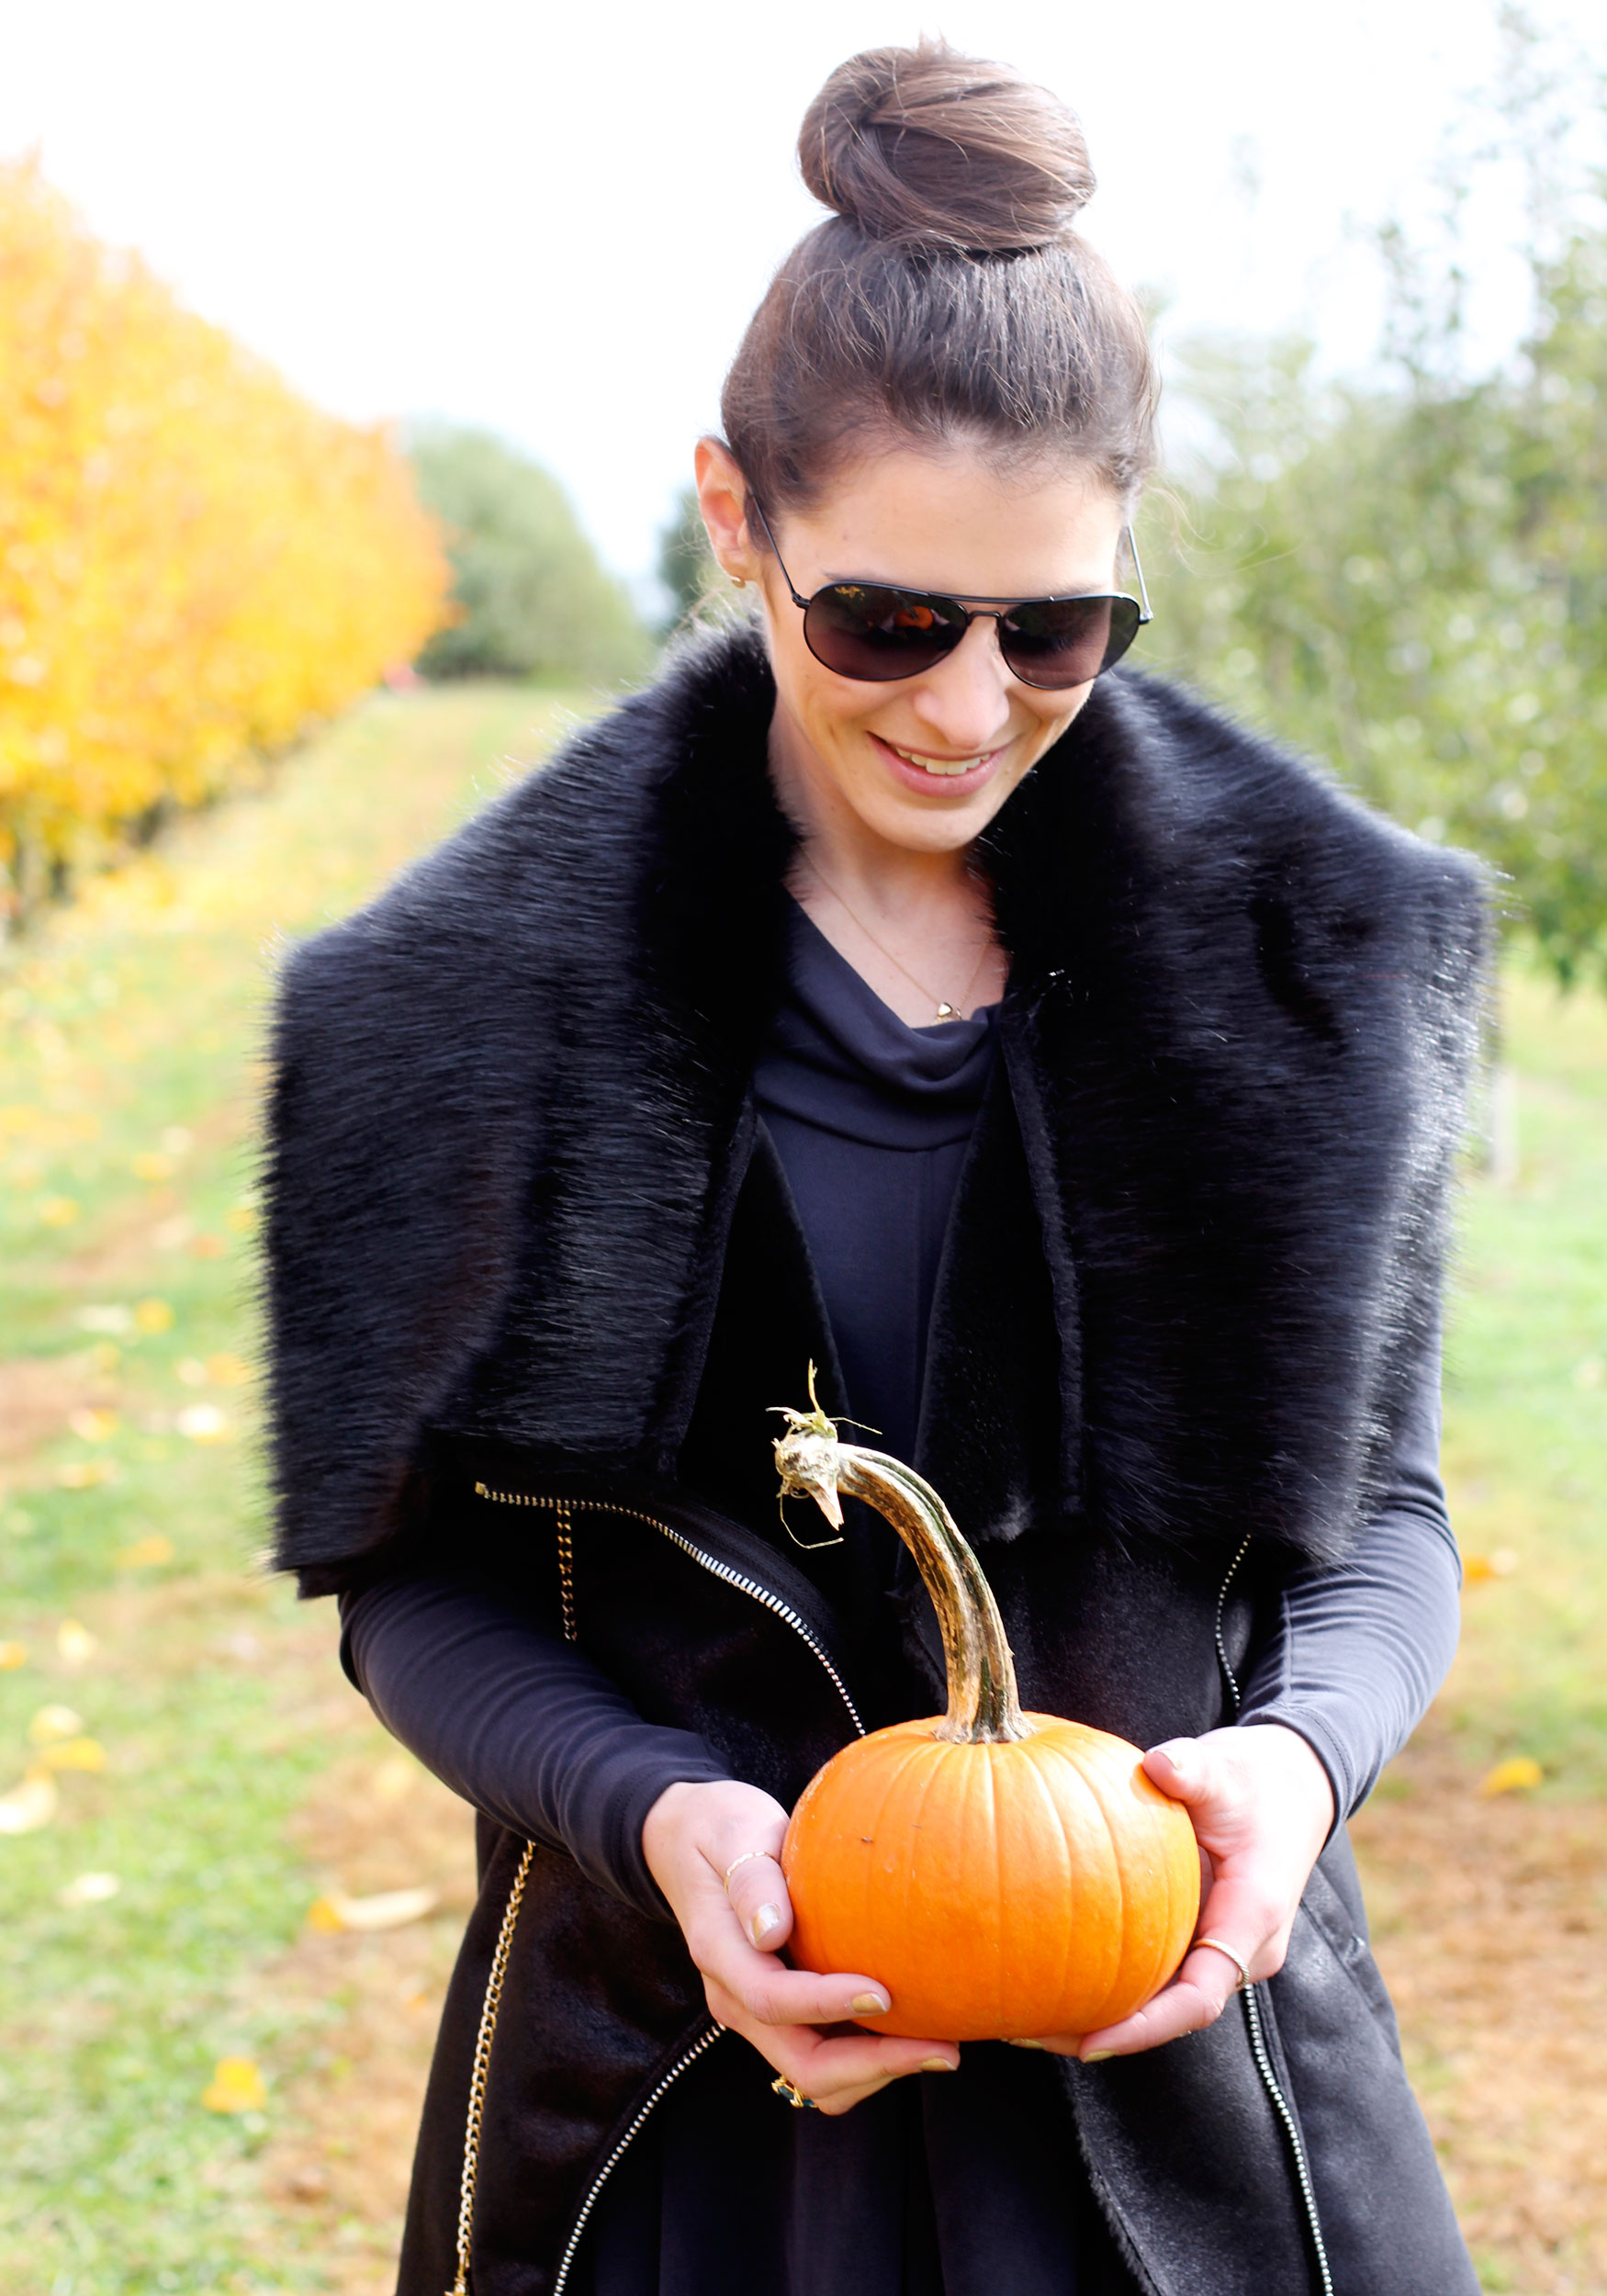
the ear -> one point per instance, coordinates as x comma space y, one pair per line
722, 499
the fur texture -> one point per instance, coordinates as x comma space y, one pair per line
510, 1124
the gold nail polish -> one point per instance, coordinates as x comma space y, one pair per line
767, 1918
868, 2004
1097, 2056
938, 2064
1026, 2044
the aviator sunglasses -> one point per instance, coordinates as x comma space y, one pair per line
875, 632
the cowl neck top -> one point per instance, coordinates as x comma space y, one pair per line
840, 1060
872, 1120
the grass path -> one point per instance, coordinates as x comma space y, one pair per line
215, 1763
129, 1512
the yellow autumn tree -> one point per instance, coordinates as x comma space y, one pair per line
195, 564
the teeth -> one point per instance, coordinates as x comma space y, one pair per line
945, 767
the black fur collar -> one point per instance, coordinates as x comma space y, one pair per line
509, 1115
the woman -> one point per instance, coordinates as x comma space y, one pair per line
1076, 1079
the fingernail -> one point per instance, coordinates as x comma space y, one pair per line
767, 1918
1026, 2044
869, 2005
938, 2064
1097, 2056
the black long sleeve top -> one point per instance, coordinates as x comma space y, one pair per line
872, 1120
932, 2187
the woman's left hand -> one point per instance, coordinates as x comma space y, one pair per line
1262, 1808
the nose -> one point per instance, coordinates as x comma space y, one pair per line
966, 699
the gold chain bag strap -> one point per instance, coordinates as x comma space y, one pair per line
494, 1983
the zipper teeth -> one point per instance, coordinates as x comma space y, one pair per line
565, 1509
711, 1563
1269, 2080
705, 2040
1227, 1674
1296, 2149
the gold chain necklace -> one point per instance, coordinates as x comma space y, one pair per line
945, 1010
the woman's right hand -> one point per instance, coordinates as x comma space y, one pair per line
694, 1837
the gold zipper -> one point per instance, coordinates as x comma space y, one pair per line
482, 2066
564, 1509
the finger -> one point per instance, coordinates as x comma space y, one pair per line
1186, 2006
1186, 1769
1245, 1913
837, 2071
772, 1994
757, 1893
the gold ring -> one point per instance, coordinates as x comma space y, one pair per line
782, 2086
1216, 1946
742, 1860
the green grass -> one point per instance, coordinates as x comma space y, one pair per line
130, 1029
1525, 1447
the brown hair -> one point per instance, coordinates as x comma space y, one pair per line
949, 295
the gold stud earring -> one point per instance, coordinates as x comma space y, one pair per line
738, 581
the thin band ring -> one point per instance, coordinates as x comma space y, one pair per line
1216, 1946
742, 1861
782, 2086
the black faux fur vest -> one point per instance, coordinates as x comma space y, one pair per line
508, 1096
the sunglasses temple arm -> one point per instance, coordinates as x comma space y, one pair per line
1133, 552
786, 578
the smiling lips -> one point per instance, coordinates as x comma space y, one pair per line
940, 769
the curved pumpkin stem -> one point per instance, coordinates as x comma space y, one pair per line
983, 1704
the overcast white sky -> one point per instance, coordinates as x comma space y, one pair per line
555, 219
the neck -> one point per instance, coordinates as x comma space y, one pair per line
916, 925
893, 879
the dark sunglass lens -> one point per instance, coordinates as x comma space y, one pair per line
862, 631
1067, 641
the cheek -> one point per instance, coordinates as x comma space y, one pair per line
1052, 721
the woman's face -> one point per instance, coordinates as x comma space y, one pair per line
925, 763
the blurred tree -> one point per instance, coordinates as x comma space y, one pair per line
1410, 581
532, 597
686, 564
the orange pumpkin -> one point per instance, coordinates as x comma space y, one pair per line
1003, 1874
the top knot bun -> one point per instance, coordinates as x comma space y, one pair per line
925, 148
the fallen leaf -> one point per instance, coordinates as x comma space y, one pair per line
1514, 1776
75, 1643
86, 1474
92, 1426
12, 1655
395, 1776
144, 1553
153, 1316
54, 1722
89, 1889
390, 1910
203, 1422
1477, 1568
74, 1753
113, 1320
236, 2086
31, 1805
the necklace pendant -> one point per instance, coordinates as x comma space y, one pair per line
945, 1012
